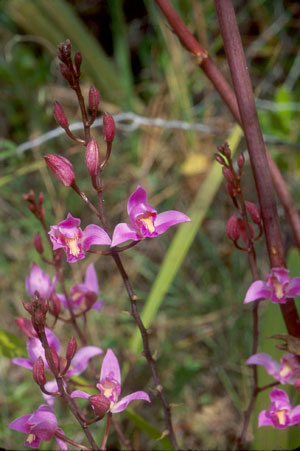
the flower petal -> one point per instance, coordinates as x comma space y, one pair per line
38, 280
124, 232
110, 367
295, 415
52, 387
293, 288
98, 305
69, 227
266, 360
264, 420
169, 218
25, 363
21, 424
44, 422
80, 394
257, 290
91, 279
80, 360
123, 403
62, 445
94, 234
281, 398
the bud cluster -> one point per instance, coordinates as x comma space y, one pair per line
35, 207
238, 227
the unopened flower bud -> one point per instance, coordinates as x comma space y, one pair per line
38, 371
64, 50
228, 174
254, 212
38, 243
232, 228
66, 73
27, 306
100, 404
241, 161
92, 157
220, 159
90, 299
59, 114
55, 359
61, 168
230, 190
56, 305
77, 61
26, 326
225, 150
71, 349
243, 231
109, 127
94, 99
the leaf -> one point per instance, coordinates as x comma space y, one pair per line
284, 95
10, 345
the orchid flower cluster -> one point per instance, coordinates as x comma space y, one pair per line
278, 287
52, 370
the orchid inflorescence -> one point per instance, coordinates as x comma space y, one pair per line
52, 370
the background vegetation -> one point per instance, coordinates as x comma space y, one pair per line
200, 329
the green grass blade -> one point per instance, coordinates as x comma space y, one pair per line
182, 242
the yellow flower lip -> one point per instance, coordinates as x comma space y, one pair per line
73, 246
147, 220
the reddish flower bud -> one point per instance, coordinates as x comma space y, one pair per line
78, 60
66, 73
232, 228
254, 212
90, 299
61, 168
56, 305
55, 359
27, 306
220, 159
224, 149
64, 50
243, 231
241, 161
38, 243
94, 99
59, 114
92, 157
25, 325
38, 372
230, 190
228, 174
100, 404
109, 127
71, 349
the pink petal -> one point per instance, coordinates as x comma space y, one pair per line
169, 218
62, 445
98, 305
91, 279
124, 232
281, 399
137, 205
37, 280
53, 341
257, 290
110, 367
264, 420
80, 360
94, 234
295, 415
293, 288
123, 403
25, 363
20, 424
266, 360
44, 422
69, 227
50, 386
282, 275
79, 394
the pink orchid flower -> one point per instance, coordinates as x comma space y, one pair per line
280, 413
39, 281
110, 385
35, 350
79, 292
40, 426
278, 287
69, 236
285, 372
145, 222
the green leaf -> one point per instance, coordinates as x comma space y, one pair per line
284, 95
152, 432
10, 345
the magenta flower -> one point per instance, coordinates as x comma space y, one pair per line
41, 425
280, 413
145, 222
110, 386
285, 372
278, 287
39, 281
79, 292
69, 236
